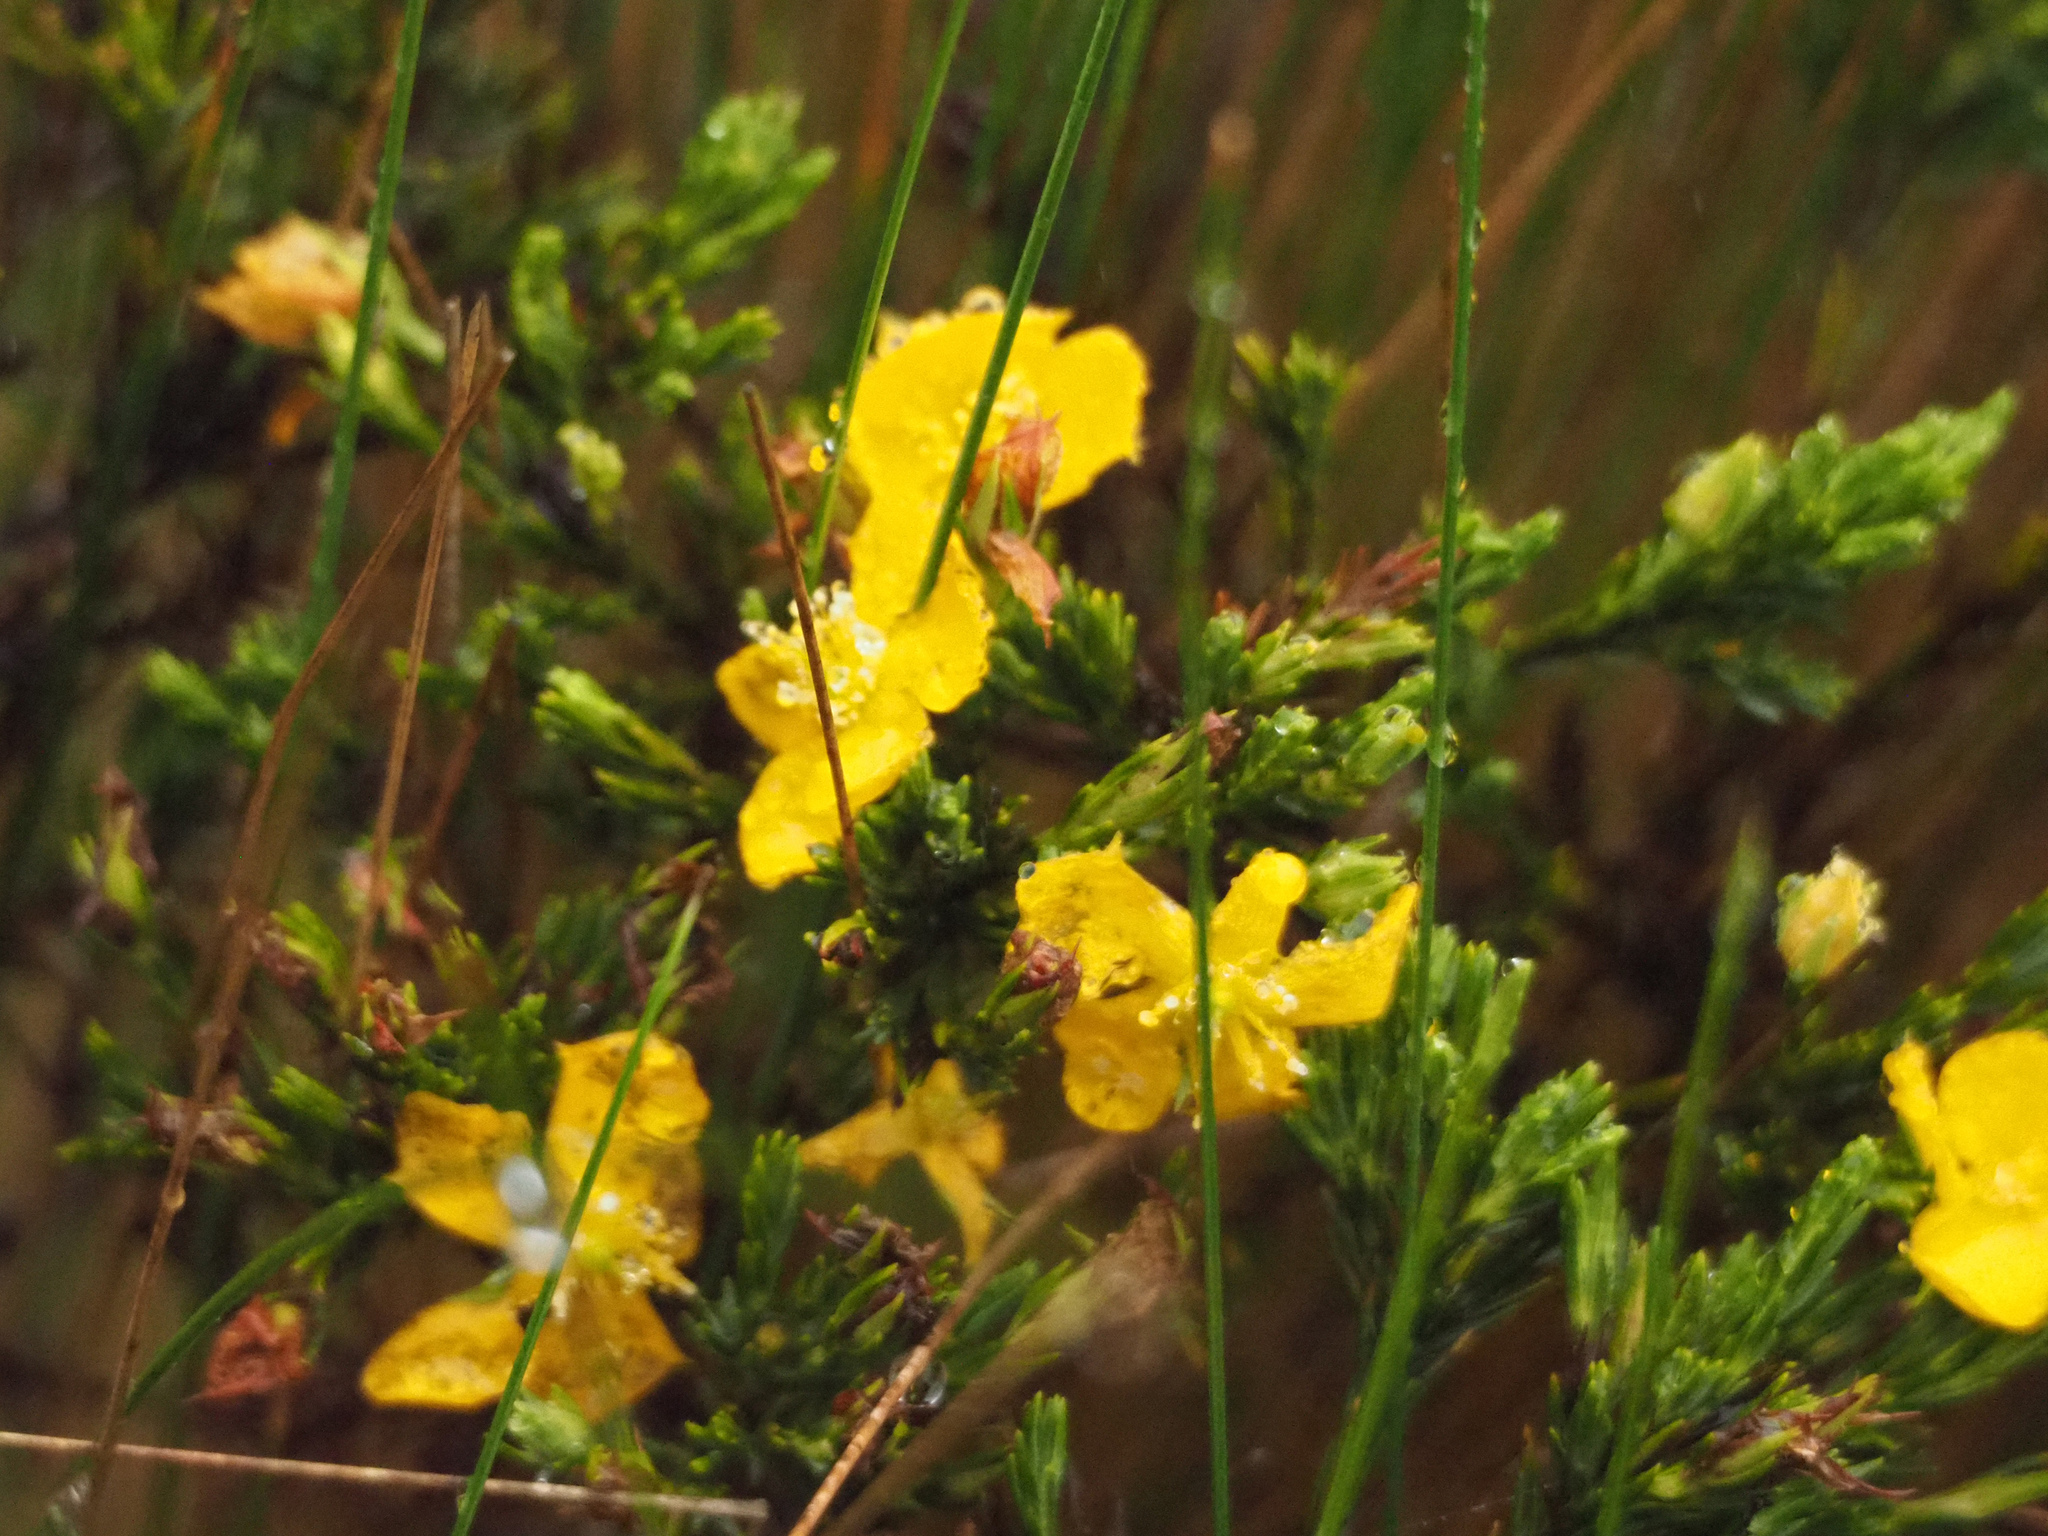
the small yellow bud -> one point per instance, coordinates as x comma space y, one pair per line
1726, 480
1824, 919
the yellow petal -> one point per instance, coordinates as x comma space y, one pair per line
1351, 982
606, 1347
1120, 1077
285, 279
1127, 935
1094, 382
772, 698
456, 1354
957, 1178
1994, 1107
1990, 1260
942, 1113
1252, 914
1910, 1071
863, 1146
645, 1216
939, 653
1259, 1070
916, 398
449, 1155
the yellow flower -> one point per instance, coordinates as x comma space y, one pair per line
1132, 1031
286, 279
469, 1168
1983, 1243
887, 670
917, 394
1824, 919
957, 1145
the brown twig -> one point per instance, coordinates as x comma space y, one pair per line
793, 558
463, 347
243, 911
1086, 1166
1511, 205
394, 1480
464, 753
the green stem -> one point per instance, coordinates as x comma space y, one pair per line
659, 995
368, 1204
1215, 297
322, 590
1456, 400
885, 256
1123, 89
1743, 899
1021, 284
115, 474
1384, 1395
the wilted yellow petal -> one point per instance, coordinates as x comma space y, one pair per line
1990, 1260
449, 1155
863, 1146
939, 653
1127, 935
958, 1180
1119, 1077
1994, 1107
607, 1347
1248, 921
645, 1216
285, 279
456, 1354
1349, 982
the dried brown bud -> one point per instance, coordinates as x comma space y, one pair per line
845, 944
1222, 735
1361, 586
392, 1020
1026, 460
226, 1135
1035, 582
259, 1351
1041, 965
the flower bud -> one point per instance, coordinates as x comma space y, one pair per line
1824, 919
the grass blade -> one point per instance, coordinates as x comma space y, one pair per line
321, 594
1020, 285
885, 256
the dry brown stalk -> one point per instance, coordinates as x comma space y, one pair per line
243, 910
457, 768
1086, 1166
395, 1480
463, 349
1411, 334
793, 558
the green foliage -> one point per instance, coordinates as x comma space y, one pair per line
1292, 401
637, 767
1760, 546
1293, 770
1037, 1464
1085, 677
939, 861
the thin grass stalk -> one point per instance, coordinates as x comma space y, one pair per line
462, 361
1743, 898
1394, 1341
115, 471
1376, 1409
1020, 285
659, 995
1217, 302
878, 281
1131, 50
368, 1204
322, 584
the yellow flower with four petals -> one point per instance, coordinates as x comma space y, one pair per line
957, 1145
1131, 1034
470, 1169
1983, 1132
